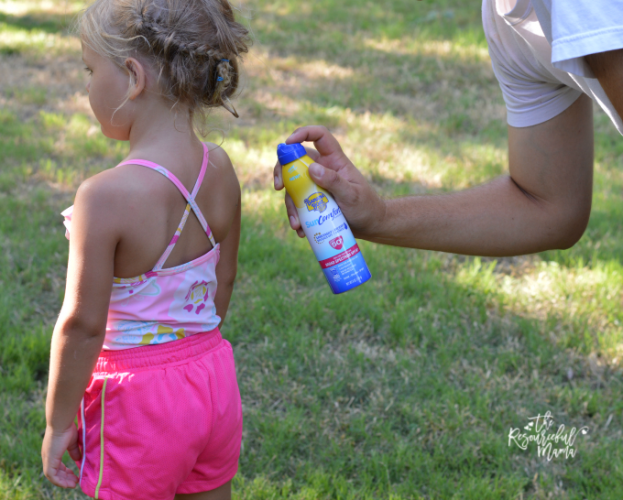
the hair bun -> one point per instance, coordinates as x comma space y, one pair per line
194, 44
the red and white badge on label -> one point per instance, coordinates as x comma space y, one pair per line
340, 257
337, 242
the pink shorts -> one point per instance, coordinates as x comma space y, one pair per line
160, 420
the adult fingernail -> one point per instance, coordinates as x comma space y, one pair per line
292, 221
316, 169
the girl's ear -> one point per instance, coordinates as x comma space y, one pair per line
138, 78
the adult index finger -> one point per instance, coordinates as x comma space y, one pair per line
324, 141
312, 153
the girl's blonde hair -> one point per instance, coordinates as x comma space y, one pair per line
193, 44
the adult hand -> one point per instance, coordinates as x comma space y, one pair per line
54, 445
332, 170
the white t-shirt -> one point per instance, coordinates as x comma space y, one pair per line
537, 50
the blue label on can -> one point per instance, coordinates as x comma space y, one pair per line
347, 274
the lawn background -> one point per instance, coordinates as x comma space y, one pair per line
404, 388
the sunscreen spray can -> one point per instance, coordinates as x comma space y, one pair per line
323, 222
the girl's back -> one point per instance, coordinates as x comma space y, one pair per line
147, 207
168, 285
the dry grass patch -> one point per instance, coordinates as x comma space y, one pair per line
59, 86
43, 7
440, 49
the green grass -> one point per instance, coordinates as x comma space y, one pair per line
405, 388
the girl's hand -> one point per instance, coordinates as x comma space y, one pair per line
54, 445
363, 208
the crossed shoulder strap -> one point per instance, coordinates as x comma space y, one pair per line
190, 199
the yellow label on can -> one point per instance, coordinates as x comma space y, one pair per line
303, 191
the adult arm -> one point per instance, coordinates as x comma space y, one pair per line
543, 204
608, 69
79, 332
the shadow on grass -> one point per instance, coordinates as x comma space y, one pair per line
319, 374
432, 19
389, 82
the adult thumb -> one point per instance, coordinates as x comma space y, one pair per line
327, 179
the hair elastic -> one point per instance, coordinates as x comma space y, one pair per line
220, 78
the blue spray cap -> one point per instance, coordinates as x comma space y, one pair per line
287, 153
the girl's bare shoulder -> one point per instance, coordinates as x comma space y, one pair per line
101, 193
220, 193
220, 161
221, 175
118, 197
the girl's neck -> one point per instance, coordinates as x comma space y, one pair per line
164, 133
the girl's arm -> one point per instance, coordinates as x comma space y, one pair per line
227, 266
79, 332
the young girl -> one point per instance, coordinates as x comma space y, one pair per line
159, 413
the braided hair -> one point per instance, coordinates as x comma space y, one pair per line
195, 45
